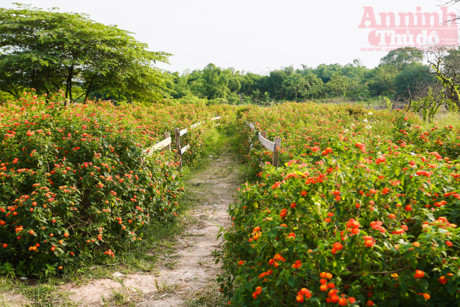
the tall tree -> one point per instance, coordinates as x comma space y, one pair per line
446, 64
401, 57
49, 50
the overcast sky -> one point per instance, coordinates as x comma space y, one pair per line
250, 35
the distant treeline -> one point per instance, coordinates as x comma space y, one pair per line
401, 75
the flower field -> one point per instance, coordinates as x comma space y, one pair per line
76, 184
363, 211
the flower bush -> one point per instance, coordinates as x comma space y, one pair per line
360, 213
76, 183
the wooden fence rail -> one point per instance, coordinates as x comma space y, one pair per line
166, 143
272, 146
160, 145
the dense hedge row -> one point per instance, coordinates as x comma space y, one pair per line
363, 211
76, 183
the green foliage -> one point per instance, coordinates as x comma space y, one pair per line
49, 50
364, 208
429, 105
77, 183
402, 57
411, 78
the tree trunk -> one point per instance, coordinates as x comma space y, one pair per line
88, 89
68, 90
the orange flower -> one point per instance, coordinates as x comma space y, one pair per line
297, 264
335, 298
368, 241
443, 280
300, 298
278, 257
419, 274
426, 296
291, 236
338, 246
283, 213
257, 292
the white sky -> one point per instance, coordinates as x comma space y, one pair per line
251, 35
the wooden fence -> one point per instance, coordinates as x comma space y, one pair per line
166, 143
274, 146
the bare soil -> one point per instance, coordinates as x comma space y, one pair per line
186, 276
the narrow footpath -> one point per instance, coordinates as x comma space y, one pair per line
186, 276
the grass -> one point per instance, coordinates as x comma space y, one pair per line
17, 292
158, 240
158, 247
209, 296
446, 119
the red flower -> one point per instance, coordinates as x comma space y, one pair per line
443, 280
300, 298
303, 292
257, 292
361, 147
283, 213
419, 274
368, 241
297, 264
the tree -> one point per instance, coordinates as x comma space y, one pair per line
49, 50
295, 86
381, 80
445, 63
413, 77
401, 57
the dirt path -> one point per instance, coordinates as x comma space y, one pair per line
185, 277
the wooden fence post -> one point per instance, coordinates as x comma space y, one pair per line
179, 156
167, 135
276, 153
263, 133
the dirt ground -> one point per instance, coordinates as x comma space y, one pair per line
185, 277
